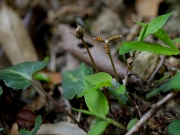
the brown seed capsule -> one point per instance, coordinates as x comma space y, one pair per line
130, 63
113, 38
100, 39
79, 32
107, 49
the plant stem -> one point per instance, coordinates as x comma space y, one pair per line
112, 63
116, 123
57, 104
97, 70
89, 53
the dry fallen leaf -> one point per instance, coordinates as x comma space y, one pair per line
14, 130
147, 8
26, 118
54, 77
61, 128
37, 103
14, 37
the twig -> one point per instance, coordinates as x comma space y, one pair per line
57, 104
149, 114
134, 104
79, 114
157, 68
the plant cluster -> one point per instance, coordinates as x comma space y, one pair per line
96, 88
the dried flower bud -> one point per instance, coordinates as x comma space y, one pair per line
79, 32
130, 63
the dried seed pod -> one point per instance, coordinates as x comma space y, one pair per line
129, 63
100, 39
79, 32
113, 38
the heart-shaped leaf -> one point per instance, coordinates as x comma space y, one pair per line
73, 82
20, 75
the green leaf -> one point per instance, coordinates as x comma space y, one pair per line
176, 40
83, 111
46, 59
142, 33
154, 26
121, 89
41, 77
37, 125
140, 23
131, 123
98, 78
153, 48
172, 84
97, 103
20, 75
122, 99
24, 132
36, 128
166, 76
95, 121
1, 91
173, 127
103, 84
73, 82
162, 35
99, 128
124, 50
